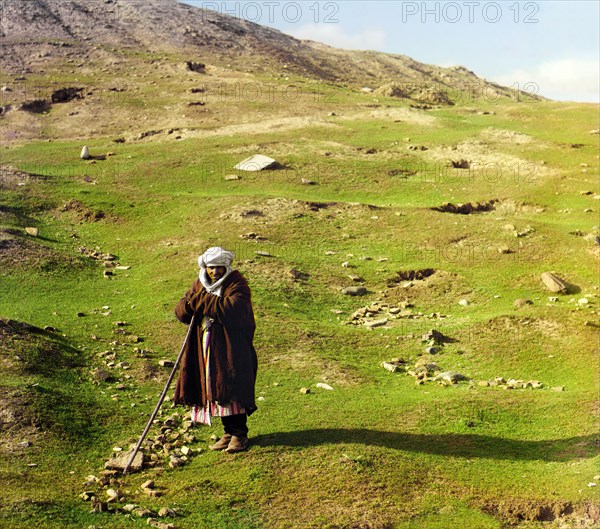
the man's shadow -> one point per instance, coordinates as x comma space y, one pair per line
469, 446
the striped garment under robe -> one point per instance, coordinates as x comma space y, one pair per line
212, 408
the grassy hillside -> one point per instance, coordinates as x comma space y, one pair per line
379, 451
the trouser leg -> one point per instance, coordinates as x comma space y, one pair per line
235, 425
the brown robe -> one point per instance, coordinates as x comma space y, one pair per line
233, 361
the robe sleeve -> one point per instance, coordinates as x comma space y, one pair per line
189, 303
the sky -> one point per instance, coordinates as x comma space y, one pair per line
550, 47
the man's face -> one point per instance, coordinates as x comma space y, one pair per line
215, 272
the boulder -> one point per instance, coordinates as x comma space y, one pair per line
354, 291
258, 162
554, 283
450, 376
119, 462
521, 302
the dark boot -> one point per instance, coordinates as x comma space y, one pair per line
222, 443
237, 444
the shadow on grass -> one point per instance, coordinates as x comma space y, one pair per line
469, 446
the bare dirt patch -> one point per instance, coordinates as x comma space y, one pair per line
504, 207
556, 514
12, 178
411, 275
439, 289
486, 159
278, 209
19, 253
81, 213
17, 423
468, 208
505, 136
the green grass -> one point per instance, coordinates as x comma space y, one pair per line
378, 452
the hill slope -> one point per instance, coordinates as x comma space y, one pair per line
167, 26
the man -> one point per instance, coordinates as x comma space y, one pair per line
218, 369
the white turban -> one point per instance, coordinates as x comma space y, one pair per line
215, 256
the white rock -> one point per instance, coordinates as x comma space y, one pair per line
463, 303
322, 385
112, 494
85, 153
583, 301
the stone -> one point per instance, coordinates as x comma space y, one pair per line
533, 384
232, 177
99, 506
263, 253
554, 283
583, 301
376, 323
354, 291
463, 303
436, 337
34, 232
483, 383
85, 153
558, 388
305, 391
129, 507
165, 511
148, 484
87, 495
322, 385
152, 493
119, 462
160, 525
185, 450
141, 512
355, 278
521, 302
450, 376
307, 182
258, 162
391, 367
166, 363
99, 375
431, 350
113, 495
175, 462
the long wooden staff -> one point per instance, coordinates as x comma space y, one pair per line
162, 397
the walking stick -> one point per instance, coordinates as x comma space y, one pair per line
162, 397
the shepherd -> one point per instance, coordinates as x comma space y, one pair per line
218, 368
